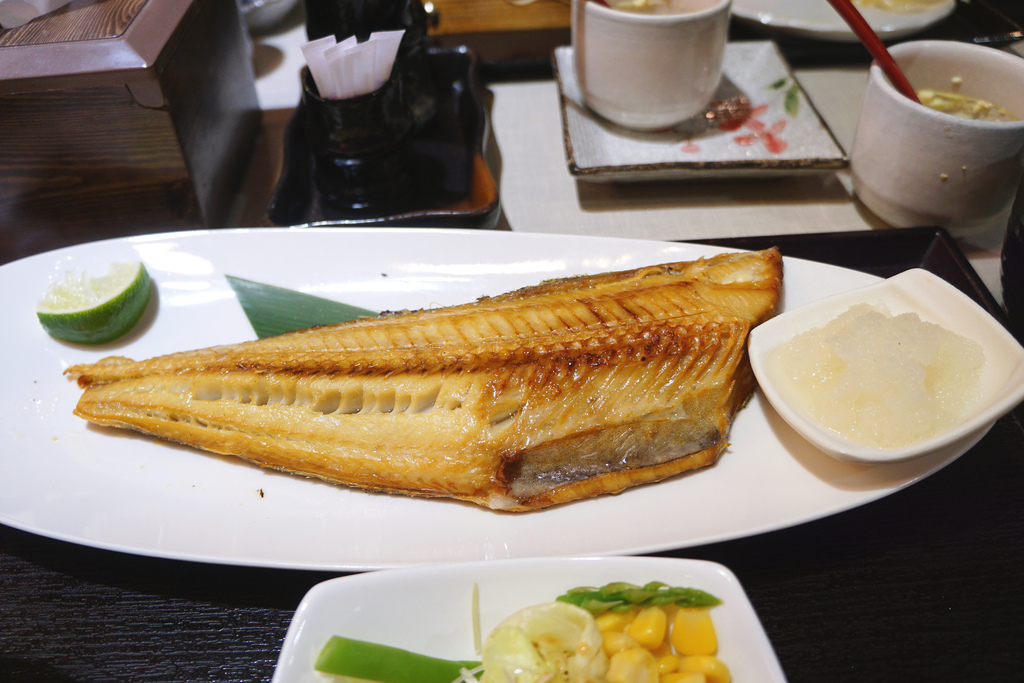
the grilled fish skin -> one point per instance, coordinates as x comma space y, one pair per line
565, 390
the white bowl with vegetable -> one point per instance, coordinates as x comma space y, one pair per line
452, 612
904, 368
912, 165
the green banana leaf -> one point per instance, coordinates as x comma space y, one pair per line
275, 310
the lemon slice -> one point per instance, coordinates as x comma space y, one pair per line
96, 310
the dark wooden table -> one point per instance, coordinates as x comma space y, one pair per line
924, 585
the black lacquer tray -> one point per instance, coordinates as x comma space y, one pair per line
882, 253
452, 188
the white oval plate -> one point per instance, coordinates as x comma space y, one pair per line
429, 609
817, 19
62, 478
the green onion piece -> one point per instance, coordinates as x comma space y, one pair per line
373, 662
275, 310
622, 597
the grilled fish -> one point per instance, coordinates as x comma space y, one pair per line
572, 388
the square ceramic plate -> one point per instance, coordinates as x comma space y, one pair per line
783, 133
429, 609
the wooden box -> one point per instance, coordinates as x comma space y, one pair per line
123, 115
489, 16
500, 30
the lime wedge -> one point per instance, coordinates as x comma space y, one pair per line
96, 310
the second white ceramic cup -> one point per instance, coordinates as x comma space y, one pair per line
649, 71
913, 166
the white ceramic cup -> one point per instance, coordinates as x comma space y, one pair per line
649, 71
913, 166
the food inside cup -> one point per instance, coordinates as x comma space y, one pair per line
963, 106
661, 6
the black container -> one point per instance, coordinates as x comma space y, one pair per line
361, 145
360, 18
1012, 276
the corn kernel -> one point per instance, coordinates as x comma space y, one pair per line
693, 632
664, 649
713, 668
635, 665
614, 621
648, 628
684, 677
667, 664
613, 641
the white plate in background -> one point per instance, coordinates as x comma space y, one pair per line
817, 19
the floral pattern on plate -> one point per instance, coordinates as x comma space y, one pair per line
761, 122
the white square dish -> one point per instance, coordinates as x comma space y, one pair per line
429, 609
782, 134
934, 300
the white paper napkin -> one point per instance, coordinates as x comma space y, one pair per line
350, 68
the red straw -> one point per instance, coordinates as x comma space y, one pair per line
874, 45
